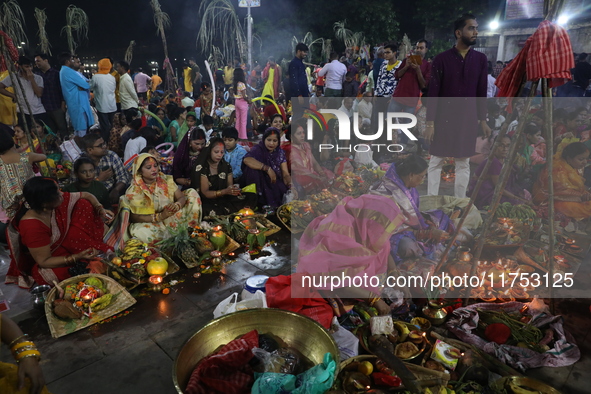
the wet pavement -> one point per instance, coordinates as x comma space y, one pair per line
135, 352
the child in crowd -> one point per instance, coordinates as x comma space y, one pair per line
234, 153
85, 171
207, 127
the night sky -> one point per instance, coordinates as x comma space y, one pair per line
114, 23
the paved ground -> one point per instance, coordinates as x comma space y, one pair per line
135, 353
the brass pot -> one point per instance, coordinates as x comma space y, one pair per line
435, 313
298, 331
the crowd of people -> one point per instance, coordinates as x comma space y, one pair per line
142, 159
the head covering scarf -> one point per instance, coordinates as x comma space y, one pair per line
139, 194
182, 157
104, 66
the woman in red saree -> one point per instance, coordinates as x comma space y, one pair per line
304, 167
55, 231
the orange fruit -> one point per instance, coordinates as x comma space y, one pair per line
165, 291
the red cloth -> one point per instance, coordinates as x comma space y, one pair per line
227, 371
12, 51
75, 227
311, 304
546, 54
270, 110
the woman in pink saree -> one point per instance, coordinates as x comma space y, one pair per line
51, 236
353, 241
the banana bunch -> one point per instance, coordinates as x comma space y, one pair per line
133, 249
521, 212
101, 302
402, 329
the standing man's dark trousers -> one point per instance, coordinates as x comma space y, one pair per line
106, 123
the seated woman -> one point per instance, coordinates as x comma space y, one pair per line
205, 100
85, 171
185, 157
424, 231
535, 146
178, 126
213, 178
571, 197
266, 166
13, 375
512, 193
53, 231
304, 167
154, 123
154, 202
22, 145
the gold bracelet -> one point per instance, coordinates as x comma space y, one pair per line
21, 344
38, 356
17, 339
24, 349
29, 353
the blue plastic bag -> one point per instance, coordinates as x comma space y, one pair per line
316, 380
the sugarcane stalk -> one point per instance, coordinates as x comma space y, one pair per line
503, 178
17, 82
479, 182
552, 8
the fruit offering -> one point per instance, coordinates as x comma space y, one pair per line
82, 299
520, 212
349, 183
135, 256
297, 214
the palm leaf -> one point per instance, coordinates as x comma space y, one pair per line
162, 22
41, 18
129, 52
220, 25
12, 21
342, 33
76, 23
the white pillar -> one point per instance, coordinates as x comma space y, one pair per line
501, 48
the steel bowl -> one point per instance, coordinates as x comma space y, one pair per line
40, 293
297, 331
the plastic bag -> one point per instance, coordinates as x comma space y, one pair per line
283, 360
316, 380
231, 304
227, 305
347, 342
381, 325
287, 197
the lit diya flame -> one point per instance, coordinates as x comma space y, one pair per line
155, 279
569, 241
215, 253
254, 231
217, 228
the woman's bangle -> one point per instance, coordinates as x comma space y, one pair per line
218, 193
178, 205
18, 339
21, 345
30, 353
98, 207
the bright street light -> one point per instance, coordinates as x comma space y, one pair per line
563, 19
494, 25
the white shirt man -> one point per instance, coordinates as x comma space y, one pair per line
335, 75
32, 85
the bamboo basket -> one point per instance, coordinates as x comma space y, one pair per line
426, 377
59, 327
